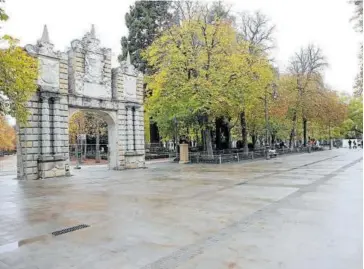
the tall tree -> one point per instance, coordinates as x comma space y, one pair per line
145, 21
190, 61
258, 30
18, 72
358, 26
306, 67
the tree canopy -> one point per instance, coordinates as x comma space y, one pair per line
145, 21
18, 74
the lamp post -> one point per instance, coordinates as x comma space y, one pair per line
175, 133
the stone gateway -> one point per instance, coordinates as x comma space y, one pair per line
81, 79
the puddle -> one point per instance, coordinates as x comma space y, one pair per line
13, 246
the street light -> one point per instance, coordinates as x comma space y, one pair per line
175, 133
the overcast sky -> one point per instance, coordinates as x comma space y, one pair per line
299, 22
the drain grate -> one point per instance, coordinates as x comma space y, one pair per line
70, 229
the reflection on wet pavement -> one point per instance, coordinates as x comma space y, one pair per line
139, 218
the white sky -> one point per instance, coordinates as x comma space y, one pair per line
299, 22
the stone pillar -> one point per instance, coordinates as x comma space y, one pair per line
139, 128
45, 127
183, 157
57, 143
130, 129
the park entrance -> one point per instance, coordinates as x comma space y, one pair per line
80, 79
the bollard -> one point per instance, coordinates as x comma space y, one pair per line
309, 149
220, 159
252, 155
67, 168
237, 155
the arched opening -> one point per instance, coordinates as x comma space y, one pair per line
92, 138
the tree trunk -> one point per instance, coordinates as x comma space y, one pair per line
244, 133
218, 124
254, 140
203, 138
293, 131
208, 140
304, 132
273, 137
154, 133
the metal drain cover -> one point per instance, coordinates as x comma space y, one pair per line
70, 229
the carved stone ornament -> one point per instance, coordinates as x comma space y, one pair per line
49, 72
94, 67
128, 68
79, 84
43, 46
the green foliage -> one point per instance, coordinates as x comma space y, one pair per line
7, 135
145, 21
3, 15
18, 74
89, 123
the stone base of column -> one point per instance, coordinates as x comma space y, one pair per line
134, 160
52, 166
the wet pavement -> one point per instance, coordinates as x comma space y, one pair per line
297, 211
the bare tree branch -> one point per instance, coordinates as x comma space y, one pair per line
258, 30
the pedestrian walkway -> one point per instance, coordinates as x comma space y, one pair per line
297, 211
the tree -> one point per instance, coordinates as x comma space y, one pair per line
3, 15
77, 126
354, 123
18, 73
96, 127
89, 123
358, 19
358, 15
330, 110
306, 67
189, 62
7, 135
257, 30
145, 21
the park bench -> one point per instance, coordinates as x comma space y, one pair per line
272, 153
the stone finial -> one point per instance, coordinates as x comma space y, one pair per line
45, 35
93, 32
128, 61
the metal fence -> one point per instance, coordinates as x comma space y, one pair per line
158, 151
87, 153
234, 155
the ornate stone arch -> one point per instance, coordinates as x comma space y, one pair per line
82, 79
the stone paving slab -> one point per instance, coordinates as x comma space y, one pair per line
241, 215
